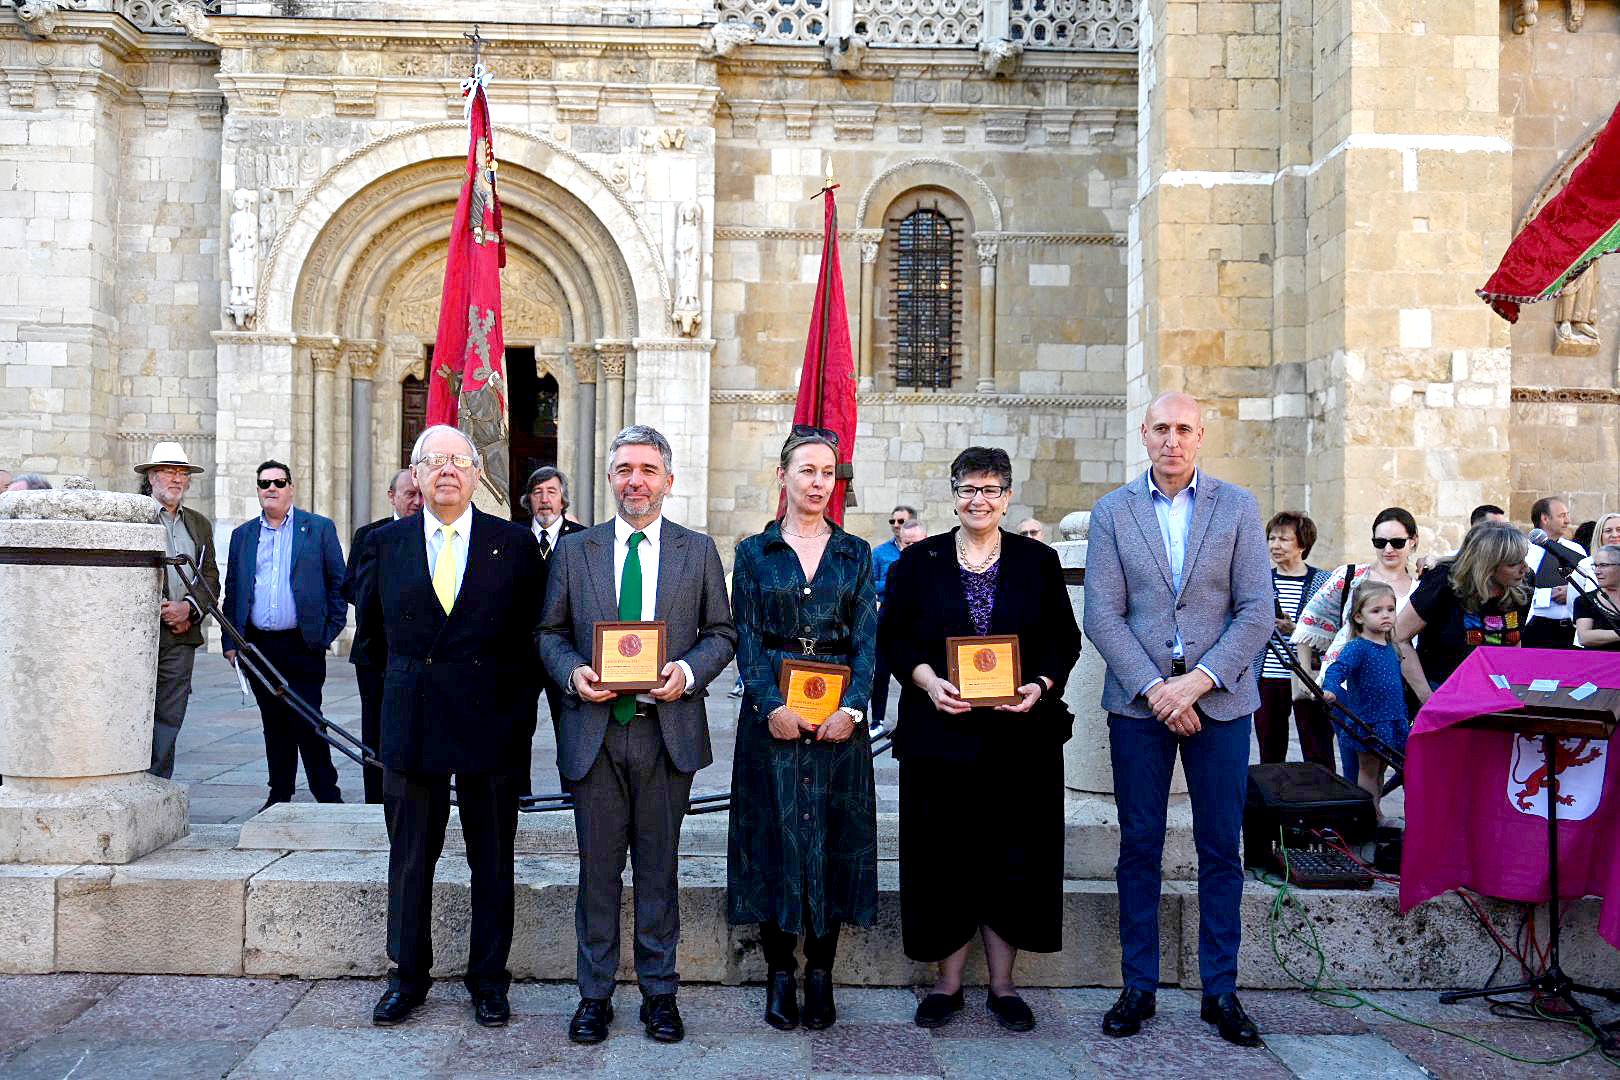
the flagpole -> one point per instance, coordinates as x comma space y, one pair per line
829, 235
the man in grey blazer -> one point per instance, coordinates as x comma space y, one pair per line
628, 760
1179, 632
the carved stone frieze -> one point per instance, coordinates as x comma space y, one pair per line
1566, 395
20, 83
1007, 128
362, 358
613, 355
354, 97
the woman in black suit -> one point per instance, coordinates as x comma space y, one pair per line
981, 789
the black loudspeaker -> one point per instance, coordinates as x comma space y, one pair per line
1298, 797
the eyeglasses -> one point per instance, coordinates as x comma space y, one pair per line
274, 482
440, 460
1029, 532
1606, 565
1396, 542
989, 491
898, 521
805, 431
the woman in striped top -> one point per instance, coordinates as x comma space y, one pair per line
1290, 536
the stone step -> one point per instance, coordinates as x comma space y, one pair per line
1091, 844
205, 906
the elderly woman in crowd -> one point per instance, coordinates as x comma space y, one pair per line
1290, 537
1597, 616
981, 788
803, 843
1323, 628
1478, 597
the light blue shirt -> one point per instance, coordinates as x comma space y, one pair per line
431, 526
1175, 516
273, 607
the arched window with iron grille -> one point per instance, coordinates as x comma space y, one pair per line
925, 298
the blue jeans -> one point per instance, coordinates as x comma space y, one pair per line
1216, 762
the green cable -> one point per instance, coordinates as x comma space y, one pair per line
1324, 991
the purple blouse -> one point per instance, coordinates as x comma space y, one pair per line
980, 591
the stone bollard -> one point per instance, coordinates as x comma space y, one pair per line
79, 592
1087, 766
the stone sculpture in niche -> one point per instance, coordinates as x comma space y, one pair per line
688, 267
1575, 331
244, 256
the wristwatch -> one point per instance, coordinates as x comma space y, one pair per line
855, 715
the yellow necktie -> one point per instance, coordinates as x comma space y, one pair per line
444, 569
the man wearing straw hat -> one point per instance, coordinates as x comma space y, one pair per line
169, 473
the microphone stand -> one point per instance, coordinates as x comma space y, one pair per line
1351, 724
248, 655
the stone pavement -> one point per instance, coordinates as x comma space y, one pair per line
111, 1027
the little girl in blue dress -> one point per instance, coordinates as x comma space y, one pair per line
1366, 677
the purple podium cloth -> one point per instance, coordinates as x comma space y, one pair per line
1472, 816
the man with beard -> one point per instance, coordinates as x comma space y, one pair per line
169, 473
548, 504
628, 760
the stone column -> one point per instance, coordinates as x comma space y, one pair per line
362, 357
870, 245
585, 468
672, 395
613, 356
1087, 766
323, 361
1412, 382
986, 245
78, 679
257, 405
1199, 267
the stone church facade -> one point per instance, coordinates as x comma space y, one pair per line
225, 223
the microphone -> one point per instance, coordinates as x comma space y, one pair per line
1552, 547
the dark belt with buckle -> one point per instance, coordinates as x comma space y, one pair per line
1178, 666
646, 710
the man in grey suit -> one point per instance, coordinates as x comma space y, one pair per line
1179, 632
628, 760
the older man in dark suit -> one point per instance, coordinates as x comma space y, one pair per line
453, 592
368, 653
628, 760
1179, 631
284, 591
547, 503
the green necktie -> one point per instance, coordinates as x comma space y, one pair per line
624, 707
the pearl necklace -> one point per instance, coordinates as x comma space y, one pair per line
976, 568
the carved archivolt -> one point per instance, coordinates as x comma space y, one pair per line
930, 172
638, 263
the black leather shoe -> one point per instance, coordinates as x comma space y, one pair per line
1010, 1012
782, 1000
491, 1009
1133, 1007
936, 1010
395, 1006
1226, 1013
819, 1011
591, 1020
662, 1018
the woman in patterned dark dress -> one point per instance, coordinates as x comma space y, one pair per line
981, 789
803, 844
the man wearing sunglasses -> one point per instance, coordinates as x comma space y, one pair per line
885, 555
284, 592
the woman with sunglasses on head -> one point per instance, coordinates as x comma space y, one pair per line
981, 788
1480, 596
1324, 628
802, 854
